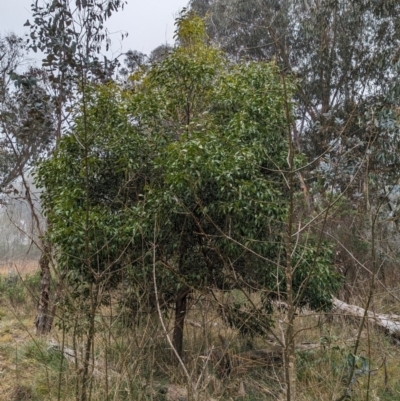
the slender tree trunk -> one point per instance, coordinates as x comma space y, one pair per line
180, 314
289, 340
44, 318
290, 350
86, 375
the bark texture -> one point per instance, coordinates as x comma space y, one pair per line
180, 314
44, 318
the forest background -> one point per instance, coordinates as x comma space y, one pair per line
217, 219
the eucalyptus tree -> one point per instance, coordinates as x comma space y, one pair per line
27, 123
344, 55
70, 34
26, 112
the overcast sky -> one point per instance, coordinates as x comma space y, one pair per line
148, 22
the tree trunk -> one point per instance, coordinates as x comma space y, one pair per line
180, 314
44, 319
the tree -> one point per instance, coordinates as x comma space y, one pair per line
344, 55
188, 164
27, 120
70, 34
26, 113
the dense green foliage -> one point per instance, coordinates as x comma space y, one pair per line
187, 164
233, 181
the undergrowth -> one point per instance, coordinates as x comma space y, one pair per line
135, 362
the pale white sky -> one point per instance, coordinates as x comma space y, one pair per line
148, 22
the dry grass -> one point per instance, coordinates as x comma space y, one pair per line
135, 363
15, 330
19, 267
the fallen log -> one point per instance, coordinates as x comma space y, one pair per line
389, 323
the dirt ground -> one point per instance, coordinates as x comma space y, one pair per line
21, 267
